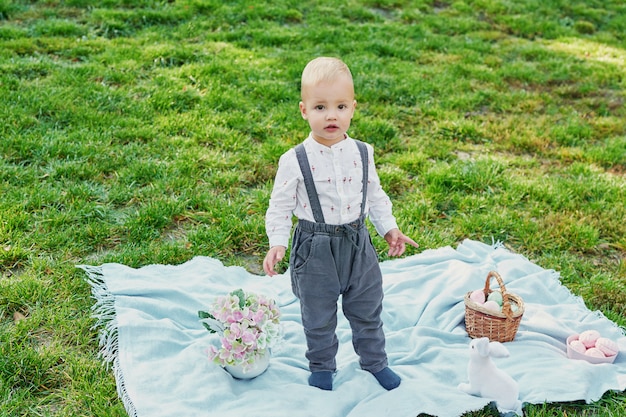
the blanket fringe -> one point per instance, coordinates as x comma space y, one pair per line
497, 244
103, 311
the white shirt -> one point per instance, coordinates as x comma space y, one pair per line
337, 174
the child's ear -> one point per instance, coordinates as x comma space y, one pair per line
303, 110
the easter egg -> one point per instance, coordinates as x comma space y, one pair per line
594, 352
589, 337
478, 296
491, 305
578, 346
607, 346
495, 296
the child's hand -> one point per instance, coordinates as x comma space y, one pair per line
274, 255
397, 242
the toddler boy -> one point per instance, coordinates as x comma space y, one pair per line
329, 182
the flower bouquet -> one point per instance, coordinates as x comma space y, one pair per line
249, 324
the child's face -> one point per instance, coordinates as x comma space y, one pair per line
329, 107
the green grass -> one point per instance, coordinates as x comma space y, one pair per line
142, 131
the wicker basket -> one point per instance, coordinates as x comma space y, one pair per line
497, 326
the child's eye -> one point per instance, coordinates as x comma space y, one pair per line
343, 106
319, 107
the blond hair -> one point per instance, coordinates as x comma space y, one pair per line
323, 69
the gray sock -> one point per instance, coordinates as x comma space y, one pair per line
387, 378
322, 380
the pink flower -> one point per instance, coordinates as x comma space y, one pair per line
248, 338
236, 316
247, 327
235, 330
257, 317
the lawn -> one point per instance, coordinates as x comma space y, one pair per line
141, 131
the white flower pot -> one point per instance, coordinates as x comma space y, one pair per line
259, 366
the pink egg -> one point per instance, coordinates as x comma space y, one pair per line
589, 337
595, 352
607, 346
578, 346
478, 296
491, 305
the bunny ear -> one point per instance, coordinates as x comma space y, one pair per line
498, 350
482, 346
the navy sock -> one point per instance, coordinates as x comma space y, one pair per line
322, 380
387, 378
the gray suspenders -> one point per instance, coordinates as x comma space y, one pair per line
316, 207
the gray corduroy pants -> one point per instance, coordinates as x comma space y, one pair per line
328, 261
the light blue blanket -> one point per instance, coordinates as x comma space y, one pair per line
151, 334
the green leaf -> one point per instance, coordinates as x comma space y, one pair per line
242, 297
209, 328
205, 315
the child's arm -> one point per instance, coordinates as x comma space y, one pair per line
274, 255
279, 213
397, 242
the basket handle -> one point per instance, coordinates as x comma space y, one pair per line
506, 303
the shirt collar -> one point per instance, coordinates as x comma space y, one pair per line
315, 145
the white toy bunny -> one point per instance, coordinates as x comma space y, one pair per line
486, 380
